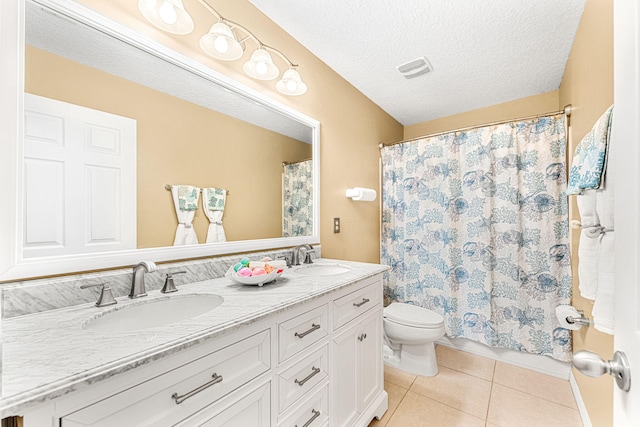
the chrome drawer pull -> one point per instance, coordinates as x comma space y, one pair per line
360, 304
314, 371
179, 399
305, 333
316, 414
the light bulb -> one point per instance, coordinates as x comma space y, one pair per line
292, 85
221, 44
261, 68
167, 13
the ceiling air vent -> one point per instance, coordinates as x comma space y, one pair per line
415, 68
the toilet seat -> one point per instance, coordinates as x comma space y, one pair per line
412, 315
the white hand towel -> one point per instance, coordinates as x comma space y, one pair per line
603, 307
185, 234
589, 244
213, 202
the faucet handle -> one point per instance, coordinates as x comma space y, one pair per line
169, 285
106, 296
307, 258
287, 259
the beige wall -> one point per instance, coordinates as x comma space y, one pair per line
180, 143
532, 105
588, 85
351, 125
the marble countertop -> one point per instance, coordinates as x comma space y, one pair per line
49, 354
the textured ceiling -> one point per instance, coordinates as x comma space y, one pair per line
483, 52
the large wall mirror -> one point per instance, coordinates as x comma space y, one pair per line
153, 122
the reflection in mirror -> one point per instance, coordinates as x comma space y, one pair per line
174, 127
297, 189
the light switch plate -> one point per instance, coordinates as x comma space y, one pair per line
336, 225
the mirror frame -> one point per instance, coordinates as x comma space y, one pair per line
12, 264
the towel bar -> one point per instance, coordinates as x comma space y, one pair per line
168, 187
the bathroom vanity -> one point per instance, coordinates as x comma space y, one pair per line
303, 351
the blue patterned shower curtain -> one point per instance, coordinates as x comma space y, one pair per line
475, 227
297, 199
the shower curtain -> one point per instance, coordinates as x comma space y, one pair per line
297, 199
475, 227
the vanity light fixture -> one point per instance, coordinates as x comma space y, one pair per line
222, 42
291, 83
168, 15
261, 65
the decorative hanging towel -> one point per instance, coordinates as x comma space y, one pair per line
185, 200
213, 203
589, 160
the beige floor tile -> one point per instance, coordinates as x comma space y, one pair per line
396, 393
545, 386
509, 407
468, 363
459, 390
398, 377
419, 411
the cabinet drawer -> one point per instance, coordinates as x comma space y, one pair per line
352, 305
312, 412
298, 333
250, 410
195, 385
302, 377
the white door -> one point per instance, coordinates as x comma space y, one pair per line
79, 179
624, 163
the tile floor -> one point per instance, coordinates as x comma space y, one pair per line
473, 391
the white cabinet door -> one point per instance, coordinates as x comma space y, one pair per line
369, 359
357, 369
345, 376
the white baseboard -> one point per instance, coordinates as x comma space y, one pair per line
535, 362
582, 409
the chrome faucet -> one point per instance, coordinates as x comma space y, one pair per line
137, 283
295, 255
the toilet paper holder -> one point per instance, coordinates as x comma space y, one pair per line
582, 320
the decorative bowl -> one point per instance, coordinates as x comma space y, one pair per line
252, 280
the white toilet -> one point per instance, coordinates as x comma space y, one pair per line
409, 334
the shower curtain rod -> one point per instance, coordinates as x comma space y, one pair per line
566, 111
293, 163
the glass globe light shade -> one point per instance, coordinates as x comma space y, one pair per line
261, 66
220, 43
291, 83
168, 15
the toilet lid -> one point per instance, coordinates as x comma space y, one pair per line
412, 315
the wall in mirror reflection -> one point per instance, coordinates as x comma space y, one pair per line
183, 143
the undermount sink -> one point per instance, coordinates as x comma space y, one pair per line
322, 270
144, 314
